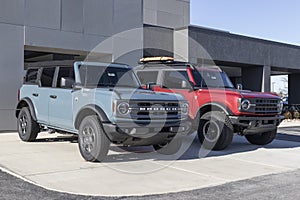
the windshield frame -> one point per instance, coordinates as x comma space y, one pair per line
227, 84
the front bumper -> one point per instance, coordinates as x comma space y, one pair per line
253, 125
142, 135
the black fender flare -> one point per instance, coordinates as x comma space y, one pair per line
219, 106
208, 107
87, 110
26, 102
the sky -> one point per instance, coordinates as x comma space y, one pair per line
277, 20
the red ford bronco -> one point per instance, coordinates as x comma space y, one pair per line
217, 109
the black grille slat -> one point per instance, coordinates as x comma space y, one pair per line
265, 106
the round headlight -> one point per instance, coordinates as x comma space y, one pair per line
185, 108
123, 108
245, 105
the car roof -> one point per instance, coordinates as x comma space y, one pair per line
177, 66
68, 63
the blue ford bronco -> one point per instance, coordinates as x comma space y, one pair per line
103, 103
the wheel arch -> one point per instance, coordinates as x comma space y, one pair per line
90, 110
26, 102
211, 107
226, 134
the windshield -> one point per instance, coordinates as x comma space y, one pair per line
99, 76
211, 78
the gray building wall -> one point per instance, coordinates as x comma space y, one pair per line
158, 41
11, 67
79, 25
11, 59
167, 13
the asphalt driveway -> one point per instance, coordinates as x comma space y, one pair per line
279, 186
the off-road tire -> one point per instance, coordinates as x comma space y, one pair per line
92, 140
28, 129
223, 134
262, 138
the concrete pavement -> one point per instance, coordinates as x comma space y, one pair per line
54, 162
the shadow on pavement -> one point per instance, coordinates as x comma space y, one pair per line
194, 151
240, 145
63, 138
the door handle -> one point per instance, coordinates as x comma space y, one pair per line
35, 94
53, 96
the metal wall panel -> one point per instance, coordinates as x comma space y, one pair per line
12, 11
167, 13
40, 37
72, 15
98, 17
43, 13
11, 67
128, 14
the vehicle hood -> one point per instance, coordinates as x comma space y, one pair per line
251, 94
245, 93
140, 94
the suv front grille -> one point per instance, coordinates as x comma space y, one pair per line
265, 106
155, 110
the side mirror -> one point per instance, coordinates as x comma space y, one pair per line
187, 85
184, 84
239, 86
150, 86
66, 82
77, 86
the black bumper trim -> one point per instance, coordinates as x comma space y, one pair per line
254, 125
145, 135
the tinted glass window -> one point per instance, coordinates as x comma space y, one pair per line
47, 77
97, 76
66, 73
175, 79
147, 76
211, 78
31, 76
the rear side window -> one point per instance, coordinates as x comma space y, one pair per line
147, 77
31, 76
47, 77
